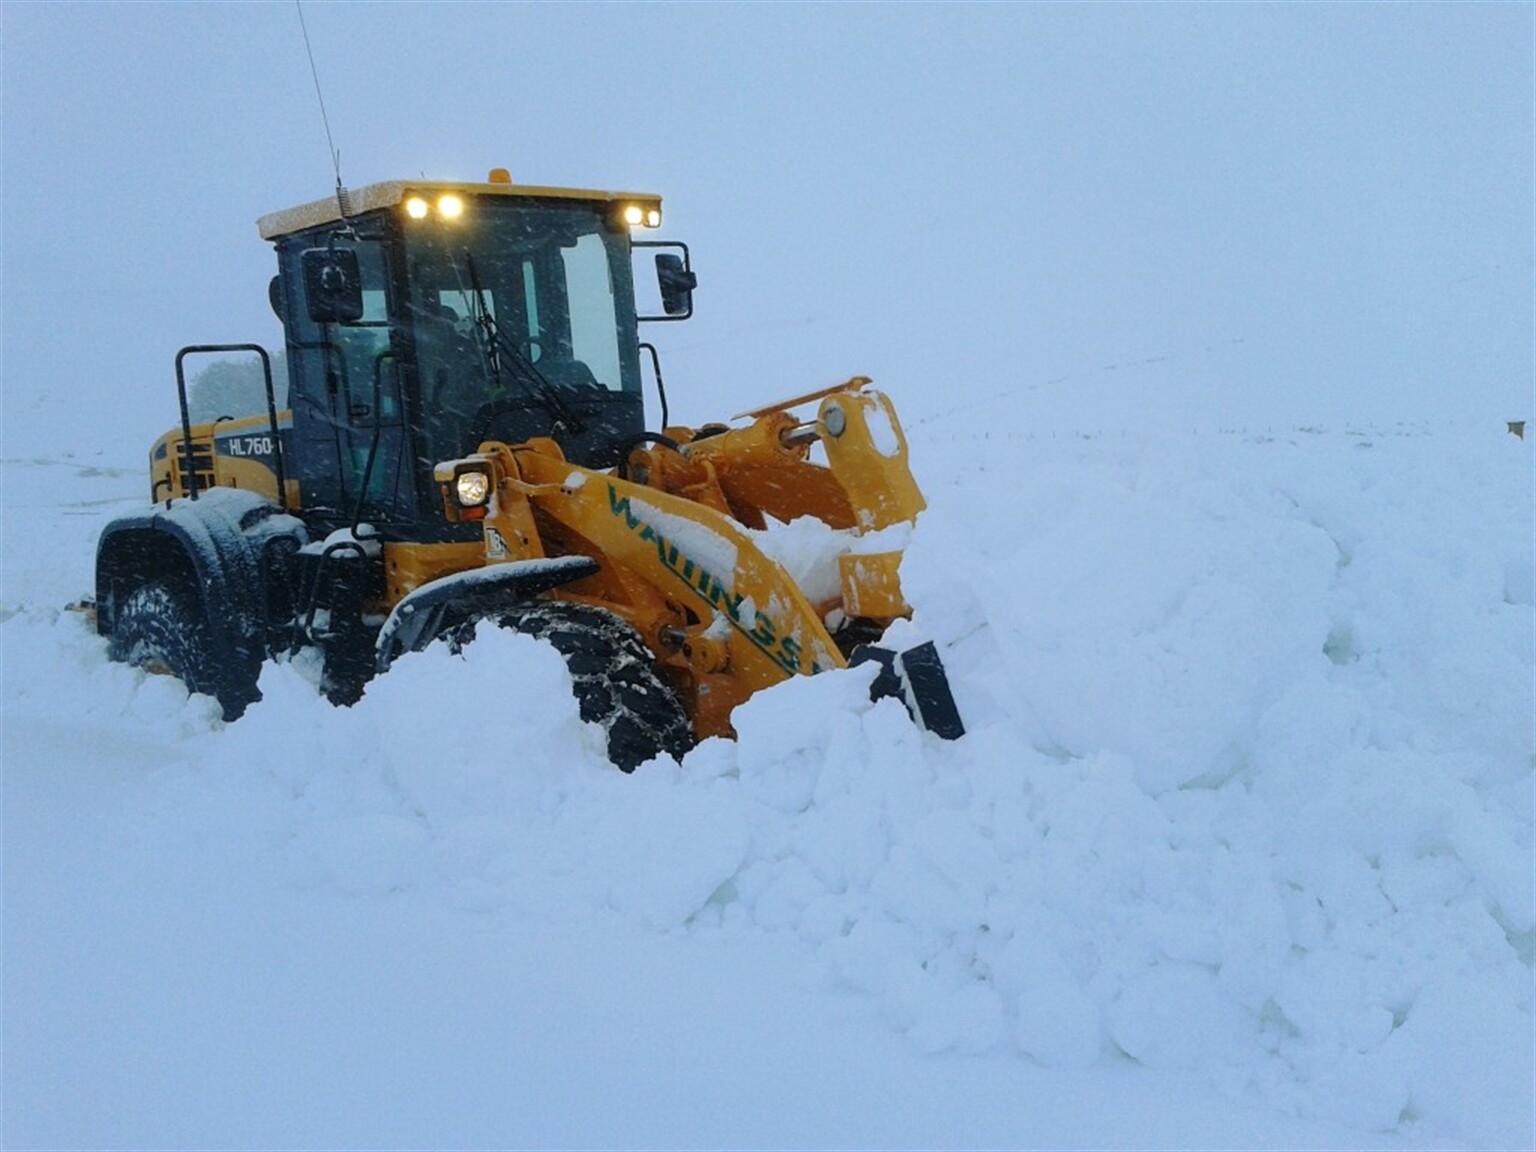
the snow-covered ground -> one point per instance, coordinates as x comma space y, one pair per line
1236, 853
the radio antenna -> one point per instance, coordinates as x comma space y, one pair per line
341, 192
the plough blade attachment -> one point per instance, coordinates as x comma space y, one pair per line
421, 616
917, 678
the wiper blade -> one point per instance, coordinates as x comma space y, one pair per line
527, 373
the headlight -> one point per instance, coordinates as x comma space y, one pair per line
416, 208
472, 489
450, 207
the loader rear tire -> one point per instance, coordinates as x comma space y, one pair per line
160, 627
614, 677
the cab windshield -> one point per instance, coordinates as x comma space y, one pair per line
520, 316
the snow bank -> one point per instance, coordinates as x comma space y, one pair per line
1246, 792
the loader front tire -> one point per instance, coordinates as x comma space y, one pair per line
614, 678
160, 627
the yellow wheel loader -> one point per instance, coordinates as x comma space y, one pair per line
463, 444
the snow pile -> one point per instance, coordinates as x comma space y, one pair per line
1246, 790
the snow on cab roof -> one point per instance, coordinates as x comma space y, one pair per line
389, 193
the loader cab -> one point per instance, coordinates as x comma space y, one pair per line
430, 317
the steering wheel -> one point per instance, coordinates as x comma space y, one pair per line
487, 414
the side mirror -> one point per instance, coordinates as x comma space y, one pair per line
677, 283
333, 286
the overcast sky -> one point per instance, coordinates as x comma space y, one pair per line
1324, 211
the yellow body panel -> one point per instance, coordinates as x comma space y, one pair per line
867, 451
221, 469
762, 472
765, 468
871, 585
724, 620
409, 566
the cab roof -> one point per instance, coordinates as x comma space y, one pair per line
390, 193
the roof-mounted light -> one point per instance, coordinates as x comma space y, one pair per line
448, 206
642, 215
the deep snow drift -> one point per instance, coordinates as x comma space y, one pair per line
1237, 849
